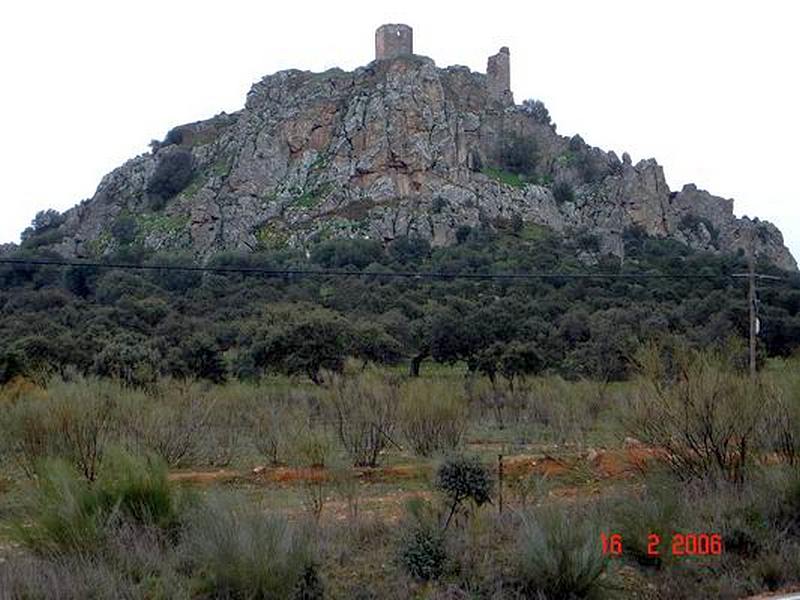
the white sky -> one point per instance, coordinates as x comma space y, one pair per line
709, 88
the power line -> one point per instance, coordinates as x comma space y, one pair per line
357, 273
430, 275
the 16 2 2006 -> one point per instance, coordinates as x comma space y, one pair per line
678, 544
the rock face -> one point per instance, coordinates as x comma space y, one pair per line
398, 147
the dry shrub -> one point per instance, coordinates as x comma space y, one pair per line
364, 411
566, 409
72, 420
433, 416
172, 423
272, 424
781, 430
500, 400
699, 411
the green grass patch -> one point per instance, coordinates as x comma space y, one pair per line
505, 177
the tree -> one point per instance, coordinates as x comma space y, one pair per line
371, 343
203, 358
463, 478
537, 110
130, 360
316, 341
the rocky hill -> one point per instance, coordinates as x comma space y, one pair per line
398, 147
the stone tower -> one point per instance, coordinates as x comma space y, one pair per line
393, 40
498, 73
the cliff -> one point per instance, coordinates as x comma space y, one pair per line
398, 147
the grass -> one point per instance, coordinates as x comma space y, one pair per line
505, 177
135, 530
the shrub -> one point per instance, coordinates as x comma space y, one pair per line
336, 254
124, 228
537, 110
364, 411
463, 478
559, 556
203, 358
272, 423
71, 420
67, 514
519, 155
172, 174
44, 221
130, 361
563, 192
705, 418
432, 417
372, 343
244, 553
409, 249
422, 547
137, 488
172, 422
658, 512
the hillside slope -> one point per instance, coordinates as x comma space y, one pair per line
398, 147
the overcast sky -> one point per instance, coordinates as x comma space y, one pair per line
710, 89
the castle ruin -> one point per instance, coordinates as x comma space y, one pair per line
393, 40
498, 73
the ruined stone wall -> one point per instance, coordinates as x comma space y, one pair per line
393, 40
498, 72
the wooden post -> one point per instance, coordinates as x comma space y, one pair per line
500, 483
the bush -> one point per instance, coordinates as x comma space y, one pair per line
537, 110
125, 228
519, 155
272, 424
463, 478
44, 221
67, 514
336, 254
422, 548
563, 192
658, 512
560, 556
432, 417
365, 413
171, 422
71, 420
173, 173
203, 358
703, 415
246, 554
128, 360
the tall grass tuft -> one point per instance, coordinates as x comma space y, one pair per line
560, 555
67, 514
433, 416
243, 553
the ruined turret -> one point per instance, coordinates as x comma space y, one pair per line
498, 73
393, 40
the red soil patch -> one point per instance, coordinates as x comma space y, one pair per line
605, 464
204, 477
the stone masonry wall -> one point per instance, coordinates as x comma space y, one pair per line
498, 71
393, 40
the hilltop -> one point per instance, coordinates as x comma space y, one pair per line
399, 147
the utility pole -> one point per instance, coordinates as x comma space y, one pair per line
751, 302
